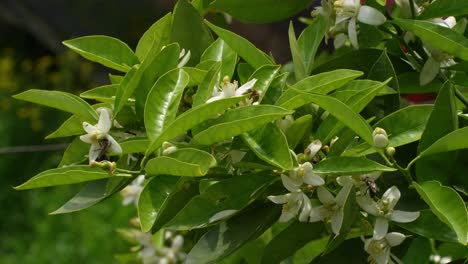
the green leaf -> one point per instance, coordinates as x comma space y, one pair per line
220, 51
196, 76
238, 121
336, 108
184, 190
155, 192
437, 36
442, 121
205, 89
163, 100
244, 71
70, 127
322, 83
183, 162
298, 59
296, 132
276, 89
403, 127
348, 166
193, 117
409, 84
75, 153
447, 205
92, 193
61, 176
134, 145
227, 237
309, 41
444, 9
243, 47
105, 50
419, 251
155, 37
270, 145
60, 100
220, 201
297, 234
271, 10
189, 31
455, 140
310, 251
102, 93
265, 76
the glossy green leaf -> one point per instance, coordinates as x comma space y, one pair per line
244, 71
135, 145
310, 251
225, 238
309, 41
220, 51
193, 117
102, 93
447, 205
70, 127
297, 234
296, 132
336, 108
455, 140
270, 145
163, 100
442, 121
238, 121
271, 10
428, 225
322, 83
60, 100
419, 251
183, 162
348, 166
184, 190
220, 201
409, 84
205, 89
61, 176
196, 75
92, 193
115, 79
265, 76
445, 8
276, 89
189, 30
151, 199
298, 59
243, 47
155, 37
105, 50
75, 153
437, 36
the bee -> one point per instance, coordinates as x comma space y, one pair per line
372, 187
105, 144
254, 95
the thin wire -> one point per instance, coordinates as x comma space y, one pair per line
33, 148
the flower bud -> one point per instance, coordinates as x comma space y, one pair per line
380, 137
285, 122
168, 148
390, 151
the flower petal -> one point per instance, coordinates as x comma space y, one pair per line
217, 97
90, 129
104, 124
313, 148
306, 208
343, 180
313, 179
368, 205
352, 33
315, 215
279, 199
94, 151
114, 146
339, 40
370, 16
380, 228
429, 71
246, 87
343, 194
392, 196
337, 221
88, 138
403, 216
325, 196
290, 184
394, 238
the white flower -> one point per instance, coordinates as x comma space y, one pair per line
331, 208
132, 192
438, 259
384, 211
379, 249
380, 137
438, 58
359, 181
98, 136
229, 89
173, 254
348, 11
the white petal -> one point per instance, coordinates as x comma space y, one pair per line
337, 221
368, 205
370, 16
312, 178
373, 175
404, 217
314, 148
343, 194
324, 195
394, 238
315, 215
380, 228
392, 196
90, 129
450, 21
177, 242
286, 216
184, 60
339, 40
279, 199
114, 147
289, 184
219, 96
344, 180
246, 87
221, 215
429, 71
94, 151
352, 33
104, 124
306, 208
383, 258
88, 138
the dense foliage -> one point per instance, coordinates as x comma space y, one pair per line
233, 158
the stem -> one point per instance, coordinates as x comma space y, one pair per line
392, 162
127, 171
413, 12
461, 97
